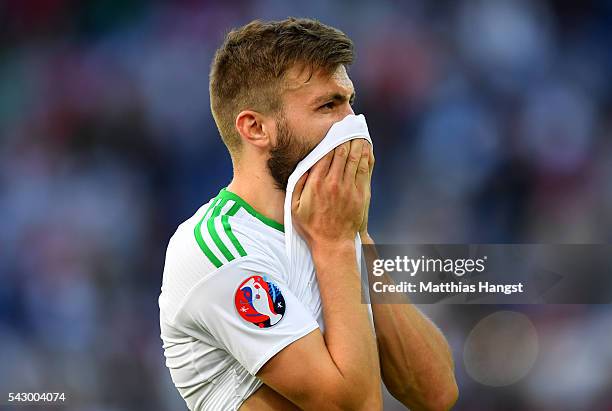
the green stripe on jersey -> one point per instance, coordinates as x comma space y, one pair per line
225, 194
213, 231
198, 235
214, 211
228, 229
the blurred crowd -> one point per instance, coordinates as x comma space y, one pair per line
491, 121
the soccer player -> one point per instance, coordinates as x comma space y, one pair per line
239, 330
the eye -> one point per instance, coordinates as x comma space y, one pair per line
328, 106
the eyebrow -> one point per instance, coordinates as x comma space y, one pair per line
335, 96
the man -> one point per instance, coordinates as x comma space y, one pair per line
239, 331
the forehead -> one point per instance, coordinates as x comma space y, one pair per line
305, 84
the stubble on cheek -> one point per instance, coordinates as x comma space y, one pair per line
289, 150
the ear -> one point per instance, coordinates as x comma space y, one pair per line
255, 128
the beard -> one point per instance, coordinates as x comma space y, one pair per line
288, 151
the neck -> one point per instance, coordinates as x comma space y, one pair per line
257, 188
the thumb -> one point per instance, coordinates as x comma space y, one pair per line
297, 191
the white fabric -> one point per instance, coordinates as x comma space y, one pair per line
212, 353
349, 128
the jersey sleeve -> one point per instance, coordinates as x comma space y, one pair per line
250, 312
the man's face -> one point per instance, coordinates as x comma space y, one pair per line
311, 104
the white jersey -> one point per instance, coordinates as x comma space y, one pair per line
229, 303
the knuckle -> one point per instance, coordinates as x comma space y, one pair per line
342, 150
334, 185
353, 157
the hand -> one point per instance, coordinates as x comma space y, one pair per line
329, 201
363, 229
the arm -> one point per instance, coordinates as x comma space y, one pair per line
416, 362
339, 370
266, 399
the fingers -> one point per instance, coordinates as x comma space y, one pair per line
336, 170
362, 175
345, 162
321, 167
352, 161
316, 173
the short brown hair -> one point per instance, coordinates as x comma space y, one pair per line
248, 69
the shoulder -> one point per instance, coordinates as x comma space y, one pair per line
217, 234
218, 242
226, 230
214, 232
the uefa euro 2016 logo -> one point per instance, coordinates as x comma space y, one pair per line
259, 301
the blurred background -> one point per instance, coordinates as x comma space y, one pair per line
491, 120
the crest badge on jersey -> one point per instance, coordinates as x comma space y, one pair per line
259, 301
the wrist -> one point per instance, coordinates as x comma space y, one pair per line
333, 250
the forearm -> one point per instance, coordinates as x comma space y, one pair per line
416, 361
349, 337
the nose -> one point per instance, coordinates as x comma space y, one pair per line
346, 110
350, 109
